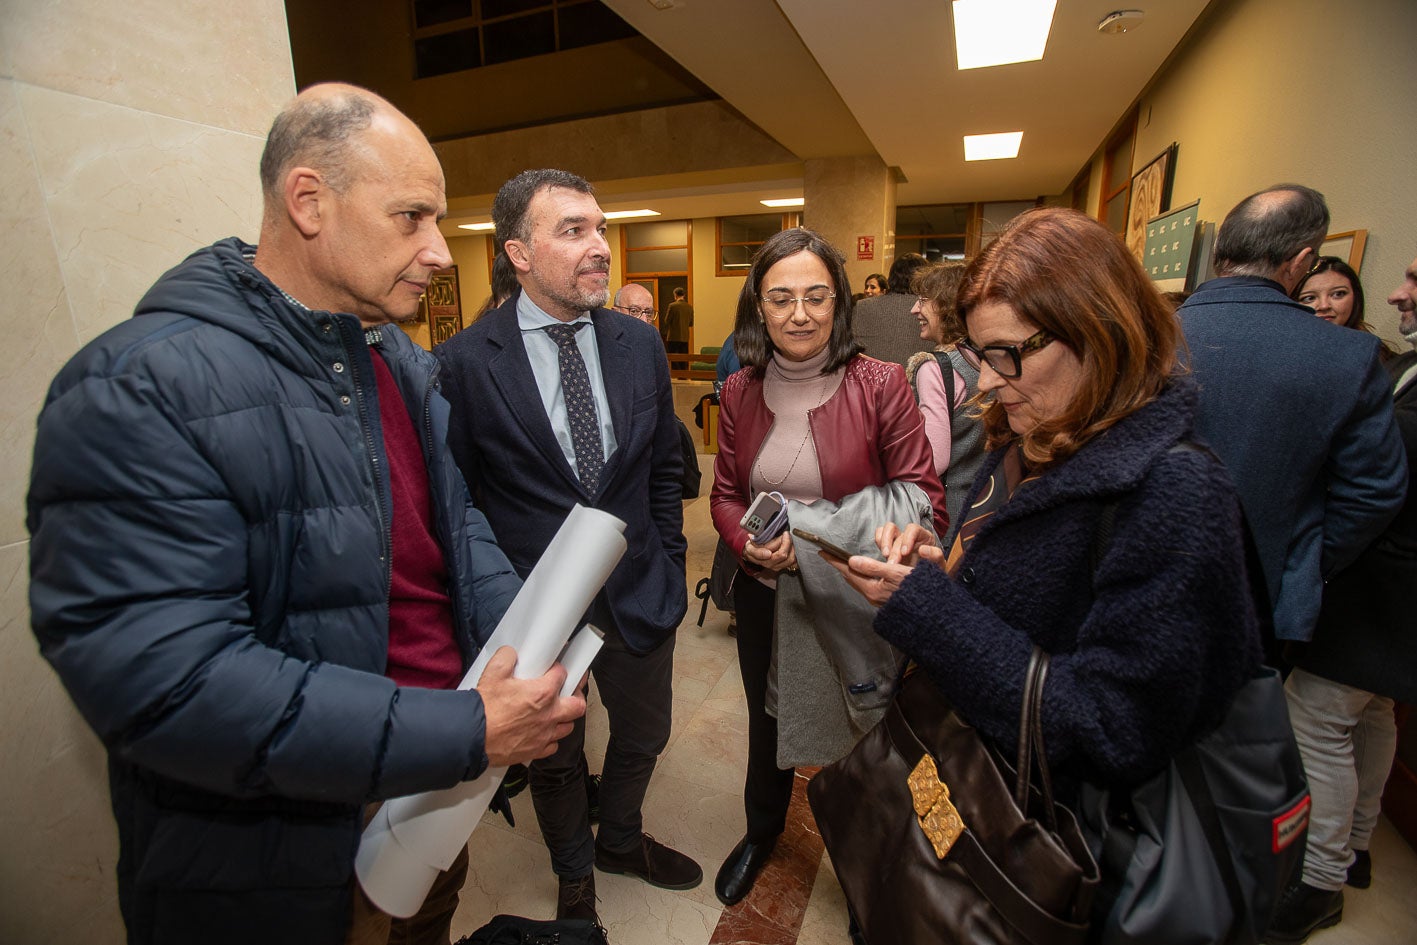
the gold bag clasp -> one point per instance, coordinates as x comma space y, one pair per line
937, 815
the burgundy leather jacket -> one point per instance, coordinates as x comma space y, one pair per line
868, 434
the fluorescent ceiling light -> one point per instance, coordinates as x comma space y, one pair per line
627, 214
992, 147
785, 202
477, 226
997, 32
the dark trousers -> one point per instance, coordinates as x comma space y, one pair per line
637, 692
767, 791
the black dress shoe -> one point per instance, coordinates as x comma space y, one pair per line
1302, 911
1360, 874
738, 873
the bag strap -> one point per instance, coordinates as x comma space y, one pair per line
947, 373
1030, 739
1188, 765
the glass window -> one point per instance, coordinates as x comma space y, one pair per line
586, 24
738, 238
433, 12
657, 260
520, 38
447, 52
657, 234
446, 32
935, 231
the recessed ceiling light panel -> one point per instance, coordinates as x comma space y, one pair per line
477, 226
784, 202
628, 214
993, 147
998, 32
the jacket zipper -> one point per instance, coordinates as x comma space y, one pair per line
372, 453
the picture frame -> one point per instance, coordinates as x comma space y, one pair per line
441, 305
1150, 197
1348, 246
1172, 241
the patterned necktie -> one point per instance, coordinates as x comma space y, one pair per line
580, 406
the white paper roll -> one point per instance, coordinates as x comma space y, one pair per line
413, 838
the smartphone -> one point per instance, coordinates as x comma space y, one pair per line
766, 517
835, 551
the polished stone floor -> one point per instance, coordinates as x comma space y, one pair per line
694, 805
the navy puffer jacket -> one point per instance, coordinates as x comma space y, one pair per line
209, 506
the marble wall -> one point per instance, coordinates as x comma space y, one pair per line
129, 136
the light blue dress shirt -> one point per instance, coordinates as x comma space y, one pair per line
542, 352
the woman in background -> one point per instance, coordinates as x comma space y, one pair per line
944, 381
811, 418
1335, 293
875, 285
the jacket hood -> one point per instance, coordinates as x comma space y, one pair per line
219, 285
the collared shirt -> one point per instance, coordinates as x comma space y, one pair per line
544, 355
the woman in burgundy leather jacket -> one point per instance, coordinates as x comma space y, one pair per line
810, 418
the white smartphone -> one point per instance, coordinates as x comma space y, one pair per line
766, 517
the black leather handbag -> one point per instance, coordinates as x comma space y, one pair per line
935, 838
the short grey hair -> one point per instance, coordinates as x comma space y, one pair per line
318, 133
509, 208
1267, 229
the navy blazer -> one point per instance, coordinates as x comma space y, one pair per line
1301, 413
503, 442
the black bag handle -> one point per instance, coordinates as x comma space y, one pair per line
1030, 739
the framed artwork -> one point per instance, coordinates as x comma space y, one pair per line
1347, 246
441, 305
1151, 196
1170, 248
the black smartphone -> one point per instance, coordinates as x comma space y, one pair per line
836, 551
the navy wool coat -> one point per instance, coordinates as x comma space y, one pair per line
1147, 653
209, 577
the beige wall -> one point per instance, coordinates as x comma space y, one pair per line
1269, 91
127, 140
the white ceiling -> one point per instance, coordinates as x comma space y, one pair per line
836, 78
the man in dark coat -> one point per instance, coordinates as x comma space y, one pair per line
558, 401
1363, 657
1301, 412
882, 324
254, 564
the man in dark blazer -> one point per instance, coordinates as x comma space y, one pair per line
1299, 410
559, 401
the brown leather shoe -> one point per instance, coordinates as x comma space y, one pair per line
575, 899
652, 862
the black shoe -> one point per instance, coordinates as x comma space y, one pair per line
1360, 874
575, 899
592, 796
652, 862
738, 873
1303, 910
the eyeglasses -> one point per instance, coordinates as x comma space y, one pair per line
1005, 360
783, 305
648, 314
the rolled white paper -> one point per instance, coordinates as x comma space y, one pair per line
412, 839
